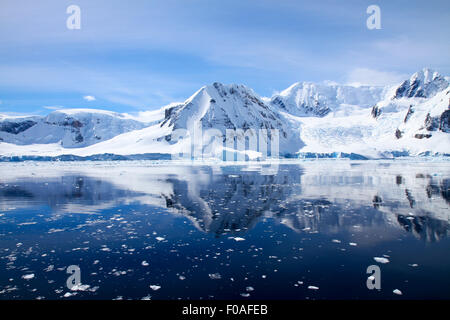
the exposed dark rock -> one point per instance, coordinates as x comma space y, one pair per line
279, 102
16, 127
79, 138
444, 123
422, 135
409, 113
398, 134
376, 111
409, 90
431, 123
70, 122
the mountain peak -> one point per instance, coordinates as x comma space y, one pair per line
422, 84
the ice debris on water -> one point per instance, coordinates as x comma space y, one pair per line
80, 287
215, 276
236, 238
381, 259
155, 287
398, 292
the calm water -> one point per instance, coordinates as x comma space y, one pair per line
176, 231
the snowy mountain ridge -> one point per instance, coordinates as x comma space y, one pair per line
310, 99
70, 127
313, 120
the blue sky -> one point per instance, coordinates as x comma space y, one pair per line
140, 55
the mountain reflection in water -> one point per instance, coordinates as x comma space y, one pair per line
369, 203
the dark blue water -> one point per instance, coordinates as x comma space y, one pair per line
176, 231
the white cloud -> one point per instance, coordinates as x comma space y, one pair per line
53, 107
89, 98
371, 77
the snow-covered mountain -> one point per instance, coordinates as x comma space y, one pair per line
419, 107
74, 128
313, 120
412, 119
224, 107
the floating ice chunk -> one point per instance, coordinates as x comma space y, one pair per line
155, 287
149, 297
160, 238
249, 289
381, 260
313, 288
181, 277
245, 295
26, 223
80, 287
28, 276
336, 241
353, 244
144, 263
68, 294
49, 268
215, 276
236, 238
398, 292
414, 265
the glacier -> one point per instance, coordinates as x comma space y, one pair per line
325, 120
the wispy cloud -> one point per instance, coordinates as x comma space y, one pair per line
371, 77
53, 107
89, 98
